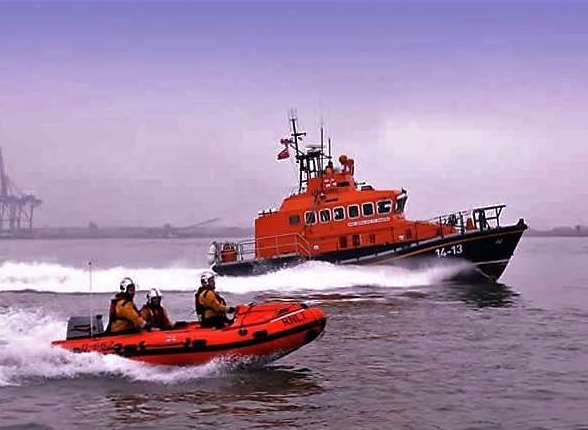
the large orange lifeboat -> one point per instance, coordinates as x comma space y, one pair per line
335, 218
259, 333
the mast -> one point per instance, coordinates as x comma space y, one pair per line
300, 156
310, 159
296, 134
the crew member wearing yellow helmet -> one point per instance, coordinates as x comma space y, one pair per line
211, 308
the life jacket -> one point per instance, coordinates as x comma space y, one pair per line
157, 316
200, 309
112, 315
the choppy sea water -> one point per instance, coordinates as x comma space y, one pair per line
402, 349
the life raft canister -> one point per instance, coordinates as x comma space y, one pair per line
228, 253
211, 253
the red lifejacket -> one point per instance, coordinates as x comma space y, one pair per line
157, 316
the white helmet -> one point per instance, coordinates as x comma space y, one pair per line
206, 277
153, 293
125, 284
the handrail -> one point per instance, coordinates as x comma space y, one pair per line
297, 237
481, 218
250, 248
476, 219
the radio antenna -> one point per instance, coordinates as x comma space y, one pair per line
90, 288
329, 148
322, 157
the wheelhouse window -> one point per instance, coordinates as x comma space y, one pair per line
367, 209
339, 213
325, 216
353, 211
310, 218
294, 219
384, 207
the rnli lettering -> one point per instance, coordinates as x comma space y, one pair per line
104, 346
100, 347
293, 319
368, 221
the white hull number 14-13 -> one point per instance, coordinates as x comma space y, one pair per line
449, 251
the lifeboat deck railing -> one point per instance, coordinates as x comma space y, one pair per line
480, 219
294, 244
250, 249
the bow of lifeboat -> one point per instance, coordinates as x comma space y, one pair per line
259, 333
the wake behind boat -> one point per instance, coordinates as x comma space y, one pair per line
336, 219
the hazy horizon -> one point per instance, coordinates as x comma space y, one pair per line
151, 113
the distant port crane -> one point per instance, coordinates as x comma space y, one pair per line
16, 207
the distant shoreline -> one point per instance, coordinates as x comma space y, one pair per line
166, 232
552, 233
64, 233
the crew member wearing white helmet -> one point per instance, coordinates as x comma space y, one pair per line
124, 315
210, 306
154, 313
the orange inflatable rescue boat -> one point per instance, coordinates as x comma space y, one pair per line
259, 332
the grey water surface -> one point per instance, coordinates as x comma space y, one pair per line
437, 356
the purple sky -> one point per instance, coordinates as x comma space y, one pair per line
146, 113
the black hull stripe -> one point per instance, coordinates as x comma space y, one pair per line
224, 346
383, 254
454, 242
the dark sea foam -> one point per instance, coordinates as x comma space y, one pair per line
402, 350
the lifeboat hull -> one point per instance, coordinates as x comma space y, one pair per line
488, 253
258, 334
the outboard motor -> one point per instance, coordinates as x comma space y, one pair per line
80, 326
